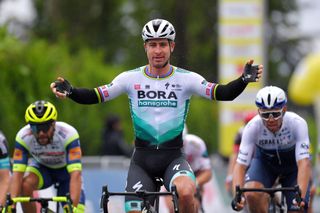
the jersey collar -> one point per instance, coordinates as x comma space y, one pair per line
147, 73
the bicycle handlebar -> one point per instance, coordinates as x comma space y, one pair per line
139, 193
270, 191
42, 200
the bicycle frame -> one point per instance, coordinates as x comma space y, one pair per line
270, 191
141, 194
43, 201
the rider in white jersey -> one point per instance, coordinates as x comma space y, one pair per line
276, 145
4, 169
49, 152
159, 96
197, 156
196, 153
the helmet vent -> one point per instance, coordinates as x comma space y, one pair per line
269, 99
156, 26
148, 29
165, 28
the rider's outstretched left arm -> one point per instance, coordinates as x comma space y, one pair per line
233, 89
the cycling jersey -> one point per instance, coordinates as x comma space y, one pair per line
283, 148
63, 151
51, 163
4, 157
196, 153
158, 105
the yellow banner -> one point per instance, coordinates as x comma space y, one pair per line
241, 38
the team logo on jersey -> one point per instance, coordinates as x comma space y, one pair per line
157, 99
304, 146
176, 87
17, 155
75, 154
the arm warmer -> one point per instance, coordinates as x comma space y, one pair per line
231, 90
84, 96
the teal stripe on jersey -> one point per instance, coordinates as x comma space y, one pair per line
150, 133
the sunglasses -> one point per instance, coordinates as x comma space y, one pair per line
274, 114
36, 128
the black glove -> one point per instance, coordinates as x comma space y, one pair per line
63, 87
250, 73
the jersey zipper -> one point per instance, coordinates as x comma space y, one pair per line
277, 150
158, 77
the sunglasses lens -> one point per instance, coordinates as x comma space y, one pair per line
275, 115
40, 127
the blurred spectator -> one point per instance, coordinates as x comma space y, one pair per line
113, 139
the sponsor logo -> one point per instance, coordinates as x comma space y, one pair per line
137, 186
243, 153
75, 154
157, 103
304, 146
156, 95
17, 155
105, 93
167, 85
207, 91
176, 167
137, 86
204, 82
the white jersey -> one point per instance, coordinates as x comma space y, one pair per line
158, 105
59, 153
291, 139
196, 152
3, 146
4, 155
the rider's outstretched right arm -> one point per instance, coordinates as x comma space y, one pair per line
62, 89
84, 96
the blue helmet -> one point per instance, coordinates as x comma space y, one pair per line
271, 97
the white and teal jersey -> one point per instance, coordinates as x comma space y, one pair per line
158, 105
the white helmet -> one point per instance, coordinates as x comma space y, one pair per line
271, 97
158, 28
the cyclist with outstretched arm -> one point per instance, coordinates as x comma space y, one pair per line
276, 145
47, 152
159, 95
